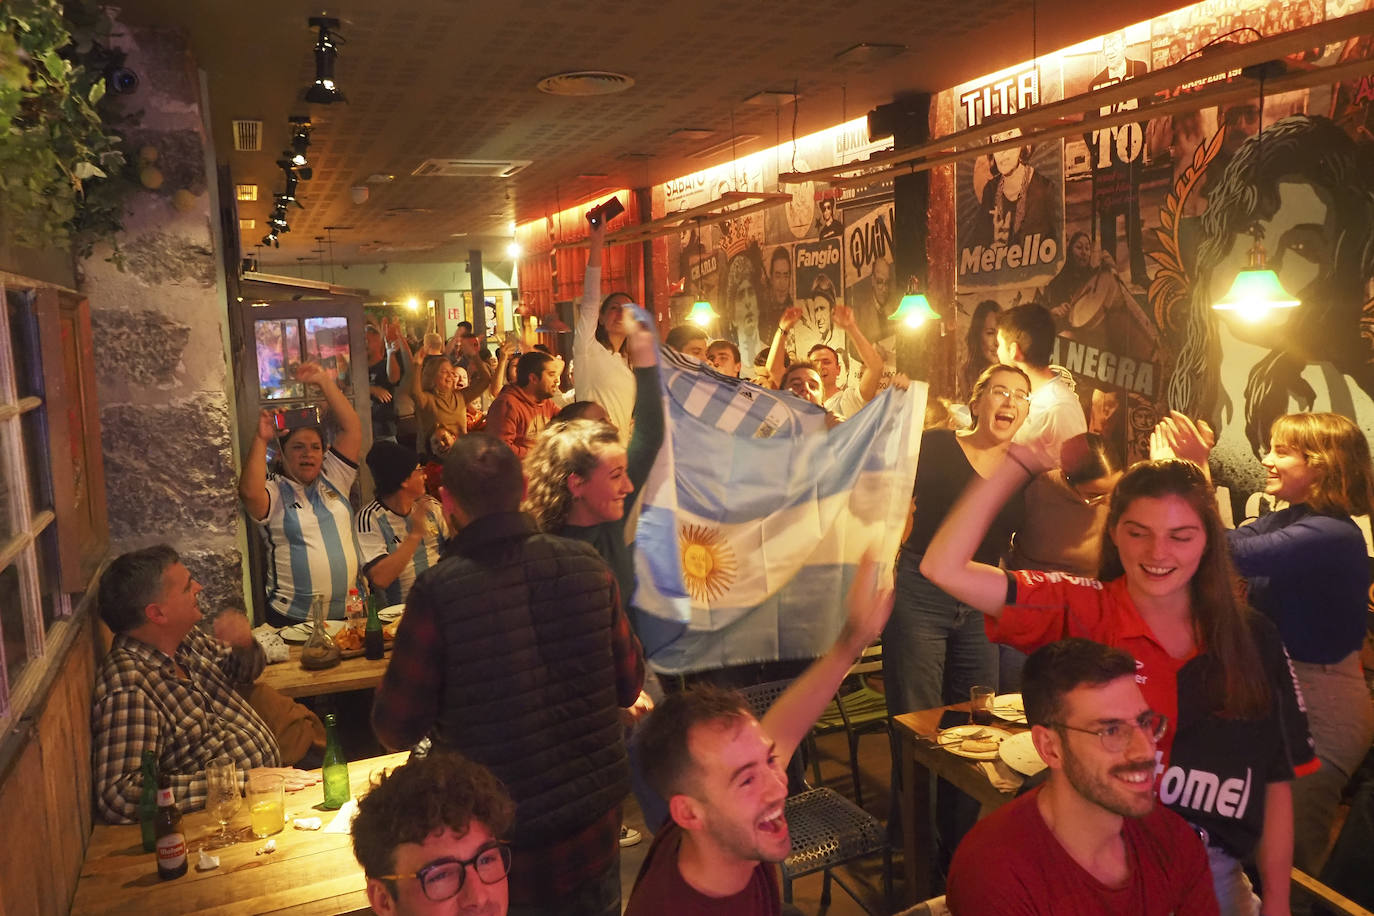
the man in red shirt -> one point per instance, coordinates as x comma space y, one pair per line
1091, 840
723, 774
521, 411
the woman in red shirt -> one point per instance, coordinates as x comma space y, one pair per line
1237, 733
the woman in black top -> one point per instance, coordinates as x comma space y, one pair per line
934, 647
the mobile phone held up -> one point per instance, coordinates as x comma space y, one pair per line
286, 420
605, 212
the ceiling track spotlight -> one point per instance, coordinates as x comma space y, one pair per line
270, 240
300, 141
323, 91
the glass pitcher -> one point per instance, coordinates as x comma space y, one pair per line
320, 649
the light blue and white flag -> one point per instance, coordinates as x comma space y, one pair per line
755, 516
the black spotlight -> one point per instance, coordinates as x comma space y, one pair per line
323, 91
300, 141
270, 240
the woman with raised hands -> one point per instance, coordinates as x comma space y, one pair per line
1236, 734
1307, 568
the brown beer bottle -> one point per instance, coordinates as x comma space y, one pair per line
171, 842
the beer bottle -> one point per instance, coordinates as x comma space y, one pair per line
147, 805
335, 769
171, 842
374, 642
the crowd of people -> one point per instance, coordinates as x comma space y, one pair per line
1189, 730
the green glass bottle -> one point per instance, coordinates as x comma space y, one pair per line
335, 769
374, 642
147, 805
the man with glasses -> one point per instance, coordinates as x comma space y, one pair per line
1091, 840
430, 831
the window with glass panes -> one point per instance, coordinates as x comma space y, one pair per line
31, 598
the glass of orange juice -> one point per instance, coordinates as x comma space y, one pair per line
267, 803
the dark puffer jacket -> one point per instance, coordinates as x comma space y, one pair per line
534, 671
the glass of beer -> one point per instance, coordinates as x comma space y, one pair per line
980, 705
267, 803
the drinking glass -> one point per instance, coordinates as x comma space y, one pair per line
222, 797
267, 803
980, 705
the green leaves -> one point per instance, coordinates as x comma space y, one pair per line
60, 160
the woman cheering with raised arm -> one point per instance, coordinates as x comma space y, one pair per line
1237, 735
1307, 569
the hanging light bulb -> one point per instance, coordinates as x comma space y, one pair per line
1256, 289
914, 309
701, 314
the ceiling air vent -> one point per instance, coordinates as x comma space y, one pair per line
585, 82
469, 168
247, 136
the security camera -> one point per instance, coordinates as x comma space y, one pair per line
121, 80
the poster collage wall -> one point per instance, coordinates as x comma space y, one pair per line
823, 249
1128, 235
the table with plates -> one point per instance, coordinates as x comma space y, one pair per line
310, 871
358, 673
923, 757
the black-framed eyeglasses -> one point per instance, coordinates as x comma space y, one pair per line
1007, 394
444, 878
1116, 736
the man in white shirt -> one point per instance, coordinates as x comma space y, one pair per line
1025, 339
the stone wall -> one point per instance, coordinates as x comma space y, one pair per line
160, 327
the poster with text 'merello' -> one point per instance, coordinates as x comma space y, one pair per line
1010, 203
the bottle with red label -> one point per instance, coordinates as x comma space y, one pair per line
171, 842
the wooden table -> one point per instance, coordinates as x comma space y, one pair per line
350, 674
922, 760
311, 871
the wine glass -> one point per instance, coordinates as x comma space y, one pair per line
222, 797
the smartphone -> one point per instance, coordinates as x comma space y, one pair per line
605, 212
296, 419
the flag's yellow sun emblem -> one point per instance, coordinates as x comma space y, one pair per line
708, 563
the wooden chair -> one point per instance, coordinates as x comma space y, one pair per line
1333, 901
827, 829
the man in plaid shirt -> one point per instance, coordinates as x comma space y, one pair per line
170, 688
514, 651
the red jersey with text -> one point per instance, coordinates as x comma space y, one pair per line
660, 889
1213, 769
1035, 875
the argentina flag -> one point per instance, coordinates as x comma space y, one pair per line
755, 516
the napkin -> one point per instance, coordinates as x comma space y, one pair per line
271, 642
1002, 777
343, 821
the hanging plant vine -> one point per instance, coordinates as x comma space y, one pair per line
62, 180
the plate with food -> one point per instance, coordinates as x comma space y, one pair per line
976, 742
1009, 707
1019, 753
351, 640
393, 612
300, 632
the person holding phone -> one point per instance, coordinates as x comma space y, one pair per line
603, 375
302, 507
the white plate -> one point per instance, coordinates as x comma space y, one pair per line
300, 632
1019, 753
388, 614
1009, 707
951, 739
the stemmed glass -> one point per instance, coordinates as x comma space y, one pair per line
222, 797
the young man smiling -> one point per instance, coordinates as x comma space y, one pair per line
722, 772
1091, 840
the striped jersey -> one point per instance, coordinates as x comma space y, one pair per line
311, 552
381, 531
